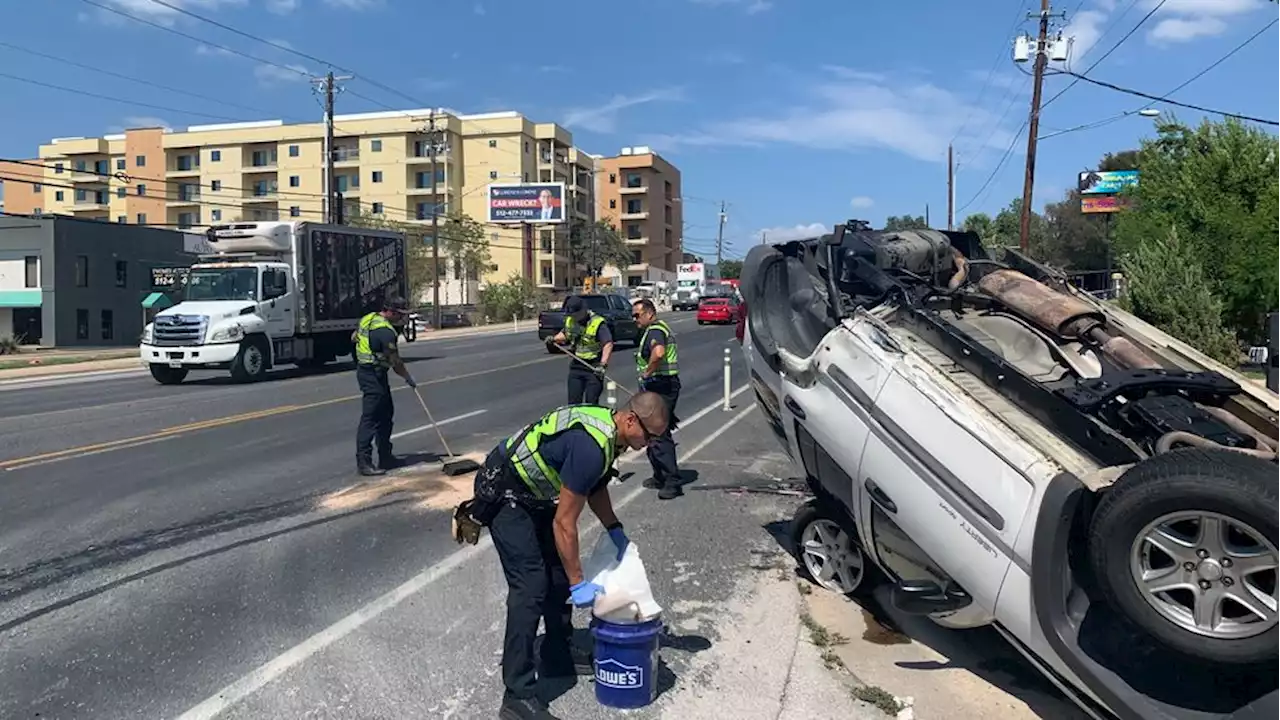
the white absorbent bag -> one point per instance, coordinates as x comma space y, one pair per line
627, 596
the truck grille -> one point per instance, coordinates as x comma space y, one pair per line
174, 330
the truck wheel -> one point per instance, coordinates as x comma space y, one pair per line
1184, 545
166, 375
250, 364
828, 550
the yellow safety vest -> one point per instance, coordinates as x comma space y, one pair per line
364, 354
670, 359
584, 342
522, 448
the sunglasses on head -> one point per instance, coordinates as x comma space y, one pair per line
648, 436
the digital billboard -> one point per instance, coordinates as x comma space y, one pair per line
527, 203
1106, 182
1103, 203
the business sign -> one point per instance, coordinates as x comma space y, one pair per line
1103, 203
1106, 182
166, 279
527, 203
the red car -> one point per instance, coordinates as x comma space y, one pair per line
717, 310
741, 329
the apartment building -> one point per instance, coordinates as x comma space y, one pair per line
269, 170
639, 192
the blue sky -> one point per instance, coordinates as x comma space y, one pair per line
794, 112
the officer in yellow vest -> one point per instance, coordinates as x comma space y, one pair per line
376, 352
530, 494
658, 368
588, 337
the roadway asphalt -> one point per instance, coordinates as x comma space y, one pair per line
164, 547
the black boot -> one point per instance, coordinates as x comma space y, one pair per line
670, 491
653, 483
524, 709
389, 462
578, 662
365, 466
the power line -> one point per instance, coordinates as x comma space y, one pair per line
1158, 98
109, 98
1119, 42
997, 168
990, 73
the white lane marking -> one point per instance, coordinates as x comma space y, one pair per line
53, 380
258, 678
446, 421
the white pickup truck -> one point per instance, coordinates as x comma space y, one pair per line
274, 293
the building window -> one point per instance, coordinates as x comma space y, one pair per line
636, 258
121, 192
613, 203
295, 211
295, 181
80, 165
188, 162
140, 161
122, 219
634, 231
666, 188
667, 214
526, 147
186, 219
122, 273
215, 214
59, 195
142, 218
635, 205
294, 151
142, 190
36, 187
57, 168
119, 163
108, 325
215, 156
493, 175
375, 146
82, 324
37, 212
377, 176
526, 177
81, 195
82, 271
635, 180
263, 158
493, 143
215, 185
377, 208
100, 197
613, 178
31, 265
666, 236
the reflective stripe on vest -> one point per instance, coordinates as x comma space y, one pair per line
364, 354
670, 359
584, 343
522, 448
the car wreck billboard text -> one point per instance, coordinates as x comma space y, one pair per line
531, 203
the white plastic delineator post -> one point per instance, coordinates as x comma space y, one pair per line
728, 382
515, 322
611, 394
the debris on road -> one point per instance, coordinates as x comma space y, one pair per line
429, 484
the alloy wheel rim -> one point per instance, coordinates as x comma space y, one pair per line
831, 557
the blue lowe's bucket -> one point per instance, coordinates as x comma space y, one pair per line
626, 660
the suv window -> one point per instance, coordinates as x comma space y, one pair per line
595, 303
618, 303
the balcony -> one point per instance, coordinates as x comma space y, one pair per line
633, 190
88, 176
186, 166
188, 197
252, 169
442, 189
261, 196
634, 215
346, 156
84, 206
638, 242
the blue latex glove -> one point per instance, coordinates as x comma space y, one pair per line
410, 382
620, 541
584, 593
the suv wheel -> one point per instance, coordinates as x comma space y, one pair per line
827, 550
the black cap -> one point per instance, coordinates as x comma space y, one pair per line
396, 304
573, 304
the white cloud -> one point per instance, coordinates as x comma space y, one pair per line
851, 110
1084, 30
1183, 20
159, 13
794, 232
354, 4
282, 73
750, 7
212, 51
478, 9
282, 7
604, 118
861, 202
1174, 30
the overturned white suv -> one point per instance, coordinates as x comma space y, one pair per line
1006, 450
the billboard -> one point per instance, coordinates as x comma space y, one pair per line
1106, 182
527, 203
1103, 203
167, 279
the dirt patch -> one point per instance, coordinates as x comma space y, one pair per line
428, 485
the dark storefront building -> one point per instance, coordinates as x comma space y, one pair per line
68, 282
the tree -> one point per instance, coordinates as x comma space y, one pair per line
418, 251
463, 240
981, 225
594, 245
730, 269
1218, 185
1167, 287
1074, 240
517, 297
905, 222
1006, 229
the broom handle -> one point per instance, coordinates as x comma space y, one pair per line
592, 368
439, 434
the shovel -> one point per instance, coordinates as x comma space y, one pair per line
454, 465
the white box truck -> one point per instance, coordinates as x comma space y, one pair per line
274, 293
691, 284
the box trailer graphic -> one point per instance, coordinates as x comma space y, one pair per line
527, 203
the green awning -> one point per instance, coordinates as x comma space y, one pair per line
157, 301
20, 298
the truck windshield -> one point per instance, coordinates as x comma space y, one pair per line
687, 283
223, 284
595, 303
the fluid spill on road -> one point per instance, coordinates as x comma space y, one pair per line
429, 485
881, 633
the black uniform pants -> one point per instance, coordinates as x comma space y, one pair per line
537, 589
584, 386
377, 413
662, 449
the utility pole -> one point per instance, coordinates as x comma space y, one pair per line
327, 85
433, 143
926, 216
764, 236
1033, 128
720, 235
951, 189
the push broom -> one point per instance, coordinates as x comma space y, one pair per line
454, 465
